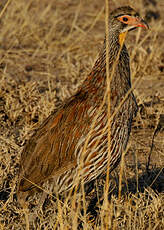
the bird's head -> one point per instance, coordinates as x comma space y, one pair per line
124, 19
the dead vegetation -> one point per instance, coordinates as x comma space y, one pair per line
47, 48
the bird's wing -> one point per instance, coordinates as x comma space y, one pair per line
50, 151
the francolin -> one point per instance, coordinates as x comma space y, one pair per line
57, 151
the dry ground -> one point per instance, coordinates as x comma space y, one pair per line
46, 50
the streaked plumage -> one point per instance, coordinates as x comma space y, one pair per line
55, 151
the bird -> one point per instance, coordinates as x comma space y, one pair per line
71, 145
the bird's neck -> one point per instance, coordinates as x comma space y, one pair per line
118, 55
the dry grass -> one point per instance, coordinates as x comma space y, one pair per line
47, 48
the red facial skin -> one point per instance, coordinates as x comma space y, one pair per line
133, 21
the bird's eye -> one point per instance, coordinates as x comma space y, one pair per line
125, 19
